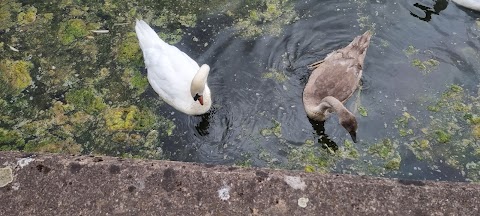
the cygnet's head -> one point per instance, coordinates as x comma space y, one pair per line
350, 124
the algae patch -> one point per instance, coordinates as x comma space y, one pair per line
450, 134
386, 150
275, 130
264, 17
425, 66
14, 76
275, 75
362, 111
129, 50
72, 30
27, 17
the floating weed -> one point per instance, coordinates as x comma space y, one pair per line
312, 158
348, 151
14, 76
275, 75
129, 51
386, 150
410, 50
275, 130
134, 80
365, 23
403, 123
425, 66
473, 171
421, 149
315, 158
452, 133
362, 111
364, 19
27, 17
246, 161
72, 30
263, 17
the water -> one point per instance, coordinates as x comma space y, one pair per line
245, 103
257, 85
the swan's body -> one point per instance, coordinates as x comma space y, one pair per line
173, 74
334, 80
472, 4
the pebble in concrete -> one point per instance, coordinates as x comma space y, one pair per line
6, 176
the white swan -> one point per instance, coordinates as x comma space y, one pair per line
333, 81
472, 4
173, 74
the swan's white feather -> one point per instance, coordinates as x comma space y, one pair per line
170, 71
472, 4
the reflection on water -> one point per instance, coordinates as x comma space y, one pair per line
438, 5
418, 112
319, 128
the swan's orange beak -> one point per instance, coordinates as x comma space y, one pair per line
200, 99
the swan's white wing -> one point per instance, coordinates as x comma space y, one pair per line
472, 4
170, 71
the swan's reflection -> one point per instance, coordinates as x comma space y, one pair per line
438, 6
319, 128
203, 126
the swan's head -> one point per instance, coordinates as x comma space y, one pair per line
198, 83
350, 124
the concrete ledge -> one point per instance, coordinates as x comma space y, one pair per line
51, 184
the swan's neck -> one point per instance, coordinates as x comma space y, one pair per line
200, 80
328, 105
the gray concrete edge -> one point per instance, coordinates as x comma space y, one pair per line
53, 184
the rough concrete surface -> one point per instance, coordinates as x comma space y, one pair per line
49, 184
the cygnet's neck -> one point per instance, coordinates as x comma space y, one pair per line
333, 104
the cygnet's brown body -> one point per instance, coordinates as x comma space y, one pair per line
334, 80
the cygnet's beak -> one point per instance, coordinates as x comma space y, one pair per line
353, 134
200, 99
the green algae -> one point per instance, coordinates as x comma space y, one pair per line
79, 78
27, 17
442, 136
263, 17
14, 76
135, 80
275, 130
404, 124
54, 144
323, 159
128, 118
362, 111
410, 50
7, 8
72, 30
309, 169
450, 134
476, 131
348, 151
10, 140
313, 157
129, 51
275, 75
85, 100
386, 150
426, 66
